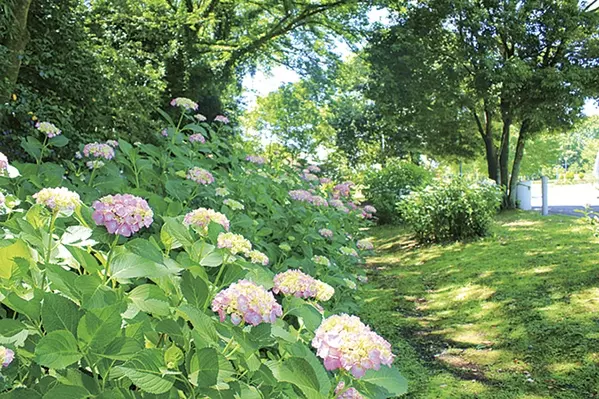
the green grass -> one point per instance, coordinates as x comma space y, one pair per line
514, 315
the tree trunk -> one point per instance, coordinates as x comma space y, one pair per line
491, 155
15, 41
504, 155
511, 199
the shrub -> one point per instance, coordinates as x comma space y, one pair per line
386, 187
453, 210
126, 276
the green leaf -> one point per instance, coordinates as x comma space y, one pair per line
203, 368
57, 350
84, 258
30, 308
62, 280
304, 310
21, 393
59, 313
145, 249
213, 259
173, 356
202, 324
194, 289
67, 392
387, 378
151, 299
300, 373
9, 254
145, 371
98, 327
10, 327
126, 264
58, 141
122, 348
174, 234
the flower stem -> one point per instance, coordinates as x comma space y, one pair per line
44, 146
49, 247
110, 254
91, 178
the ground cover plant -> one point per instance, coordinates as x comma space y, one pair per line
186, 269
513, 315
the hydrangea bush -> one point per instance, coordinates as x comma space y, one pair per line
183, 271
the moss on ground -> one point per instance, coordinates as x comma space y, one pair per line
514, 315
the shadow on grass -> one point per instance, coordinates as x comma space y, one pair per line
514, 315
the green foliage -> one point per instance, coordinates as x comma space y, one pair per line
386, 187
454, 210
90, 314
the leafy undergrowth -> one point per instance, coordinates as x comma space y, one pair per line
514, 315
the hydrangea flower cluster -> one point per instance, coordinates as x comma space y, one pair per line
349, 393
325, 180
235, 243
344, 342
164, 132
200, 117
122, 214
184, 103
336, 203
369, 209
98, 150
365, 245
342, 189
113, 143
49, 129
197, 138
247, 302
235, 205
222, 192
3, 164
321, 260
2, 200
200, 176
352, 206
362, 279
301, 285
348, 251
6, 356
202, 217
350, 284
59, 199
258, 258
221, 119
318, 201
312, 169
309, 177
256, 159
95, 164
300, 195
326, 233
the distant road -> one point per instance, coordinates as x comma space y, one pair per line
565, 199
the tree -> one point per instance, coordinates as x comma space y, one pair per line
494, 67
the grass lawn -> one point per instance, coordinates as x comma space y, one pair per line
514, 315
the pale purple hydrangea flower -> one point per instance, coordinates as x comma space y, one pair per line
122, 214
313, 169
221, 118
255, 159
6, 356
49, 129
98, 150
369, 209
301, 285
344, 342
184, 103
200, 117
309, 177
365, 245
78, 155
325, 180
300, 195
318, 201
200, 176
2, 200
343, 189
164, 132
59, 199
326, 233
197, 138
247, 302
202, 217
95, 164
113, 143
352, 206
336, 203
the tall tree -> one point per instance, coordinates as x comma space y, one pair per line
494, 67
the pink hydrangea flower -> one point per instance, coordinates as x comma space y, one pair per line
344, 342
369, 209
164, 132
202, 217
343, 189
6, 356
49, 129
200, 176
326, 233
197, 138
98, 150
3, 164
122, 214
349, 393
325, 180
318, 201
247, 302
255, 159
221, 118
301, 285
336, 203
184, 103
352, 206
313, 169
